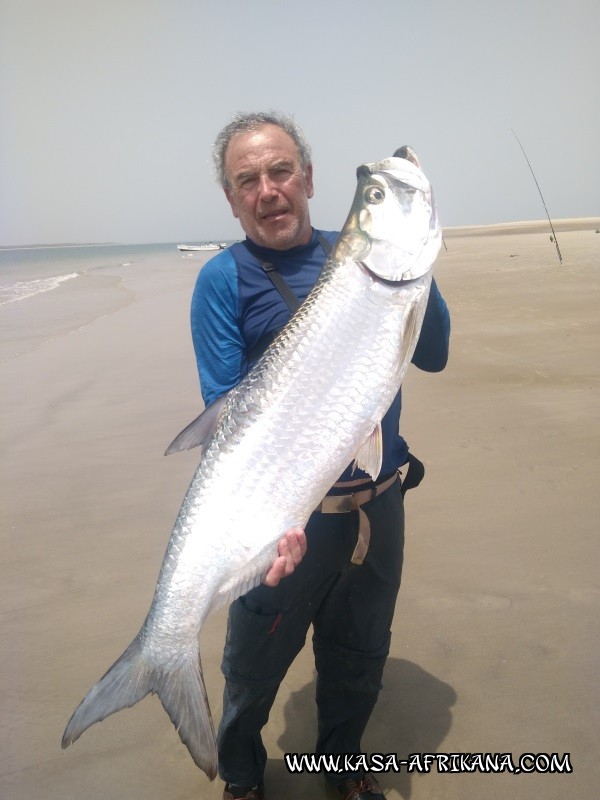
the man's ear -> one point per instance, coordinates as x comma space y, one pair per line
232, 203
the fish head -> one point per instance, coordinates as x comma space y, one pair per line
392, 228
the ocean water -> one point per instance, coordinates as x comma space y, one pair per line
29, 271
49, 292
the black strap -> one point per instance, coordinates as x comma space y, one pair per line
325, 244
278, 282
414, 473
288, 296
284, 290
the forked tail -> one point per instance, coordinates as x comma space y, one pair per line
181, 691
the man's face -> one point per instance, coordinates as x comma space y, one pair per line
268, 188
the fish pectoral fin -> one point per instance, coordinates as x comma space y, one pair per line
370, 453
198, 431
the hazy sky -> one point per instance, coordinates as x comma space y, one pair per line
108, 109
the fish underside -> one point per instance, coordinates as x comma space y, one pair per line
275, 445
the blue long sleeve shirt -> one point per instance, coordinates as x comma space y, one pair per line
235, 305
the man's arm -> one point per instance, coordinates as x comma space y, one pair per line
431, 352
218, 341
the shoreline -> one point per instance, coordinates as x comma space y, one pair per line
524, 227
31, 322
519, 226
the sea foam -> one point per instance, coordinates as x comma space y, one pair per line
20, 290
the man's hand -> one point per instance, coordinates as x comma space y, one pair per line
291, 551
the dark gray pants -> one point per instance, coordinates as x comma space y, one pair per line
351, 609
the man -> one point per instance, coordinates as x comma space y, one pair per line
263, 164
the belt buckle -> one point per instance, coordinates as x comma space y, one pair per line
344, 504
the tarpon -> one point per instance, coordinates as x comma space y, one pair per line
275, 444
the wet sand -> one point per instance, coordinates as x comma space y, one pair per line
495, 644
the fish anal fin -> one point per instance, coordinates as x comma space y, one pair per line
200, 430
238, 585
370, 453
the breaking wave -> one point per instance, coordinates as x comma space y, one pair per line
23, 289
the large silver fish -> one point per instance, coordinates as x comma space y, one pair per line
274, 446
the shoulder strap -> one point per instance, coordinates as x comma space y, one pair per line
278, 282
288, 296
324, 244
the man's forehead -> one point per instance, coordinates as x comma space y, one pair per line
269, 142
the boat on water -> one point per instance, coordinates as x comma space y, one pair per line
185, 248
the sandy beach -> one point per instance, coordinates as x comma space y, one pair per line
495, 645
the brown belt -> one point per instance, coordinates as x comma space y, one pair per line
343, 503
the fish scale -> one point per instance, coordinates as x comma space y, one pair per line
275, 445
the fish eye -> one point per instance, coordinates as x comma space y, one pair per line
374, 195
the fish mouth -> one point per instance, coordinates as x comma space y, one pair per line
386, 281
364, 171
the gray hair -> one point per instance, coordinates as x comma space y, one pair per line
250, 121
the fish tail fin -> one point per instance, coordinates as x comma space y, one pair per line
183, 695
122, 686
181, 691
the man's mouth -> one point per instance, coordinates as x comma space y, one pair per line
271, 215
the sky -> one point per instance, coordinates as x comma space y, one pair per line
108, 110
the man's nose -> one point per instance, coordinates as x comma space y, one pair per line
267, 188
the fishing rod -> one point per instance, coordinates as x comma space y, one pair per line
554, 239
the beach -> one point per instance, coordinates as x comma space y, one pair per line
495, 642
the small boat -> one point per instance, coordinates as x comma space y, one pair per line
184, 248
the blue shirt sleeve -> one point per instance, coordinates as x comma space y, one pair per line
431, 352
216, 335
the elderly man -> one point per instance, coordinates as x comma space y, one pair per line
243, 297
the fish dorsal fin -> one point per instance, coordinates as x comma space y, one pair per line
370, 453
198, 431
